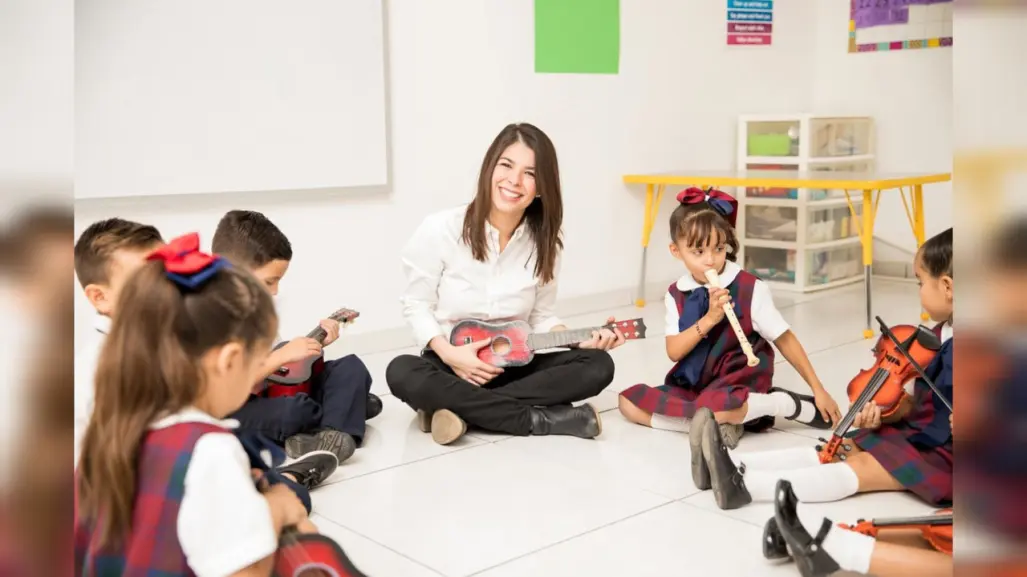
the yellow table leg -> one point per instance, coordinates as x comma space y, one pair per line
919, 226
866, 238
653, 196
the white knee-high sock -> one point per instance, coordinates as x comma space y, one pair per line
817, 484
670, 423
777, 404
851, 550
781, 459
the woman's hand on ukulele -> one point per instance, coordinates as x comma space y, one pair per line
465, 363
604, 339
332, 328
869, 417
298, 349
718, 298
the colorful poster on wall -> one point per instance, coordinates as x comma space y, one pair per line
750, 22
577, 36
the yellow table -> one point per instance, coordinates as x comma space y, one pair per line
870, 183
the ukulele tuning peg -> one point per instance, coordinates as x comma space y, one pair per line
847, 447
819, 448
822, 440
841, 457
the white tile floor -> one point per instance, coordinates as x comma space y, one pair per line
622, 504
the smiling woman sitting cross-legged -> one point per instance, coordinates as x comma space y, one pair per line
497, 260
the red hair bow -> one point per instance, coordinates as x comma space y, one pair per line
185, 264
723, 203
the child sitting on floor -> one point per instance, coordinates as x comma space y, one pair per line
911, 450
164, 486
334, 416
710, 369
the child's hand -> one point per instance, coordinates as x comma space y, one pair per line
869, 417
285, 505
826, 405
718, 298
297, 350
332, 328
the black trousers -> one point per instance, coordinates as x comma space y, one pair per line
338, 401
504, 404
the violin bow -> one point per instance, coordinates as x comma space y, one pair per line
923, 375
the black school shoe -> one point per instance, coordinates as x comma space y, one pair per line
374, 406
726, 479
807, 551
340, 444
312, 469
581, 421
818, 421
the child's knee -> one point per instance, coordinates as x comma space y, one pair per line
632, 413
352, 365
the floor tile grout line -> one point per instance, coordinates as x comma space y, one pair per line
572, 537
719, 512
396, 466
384, 546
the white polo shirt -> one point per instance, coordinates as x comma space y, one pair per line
224, 523
766, 319
85, 376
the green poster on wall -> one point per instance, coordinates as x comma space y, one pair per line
577, 36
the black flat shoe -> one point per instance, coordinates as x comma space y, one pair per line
374, 406
774, 546
807, 551
581, 421
312, 469
726, 479
818, 421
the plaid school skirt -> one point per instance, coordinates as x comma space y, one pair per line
926, 472
682, 403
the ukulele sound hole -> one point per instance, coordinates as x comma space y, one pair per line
501, 345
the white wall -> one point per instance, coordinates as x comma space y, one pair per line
909, 95
460, 70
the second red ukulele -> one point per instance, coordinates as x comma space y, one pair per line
294, 378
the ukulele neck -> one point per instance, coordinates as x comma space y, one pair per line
558, 339
319, 334
928, 520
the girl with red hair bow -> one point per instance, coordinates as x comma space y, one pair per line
711, 378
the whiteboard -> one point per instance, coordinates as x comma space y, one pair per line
200, 96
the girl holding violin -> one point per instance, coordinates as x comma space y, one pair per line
904, 447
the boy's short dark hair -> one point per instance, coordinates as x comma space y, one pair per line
936, 254
250, 239
102, 239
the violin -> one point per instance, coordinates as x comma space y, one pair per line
936, 528
900, 354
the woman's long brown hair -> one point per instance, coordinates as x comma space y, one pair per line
150, 367
544, 216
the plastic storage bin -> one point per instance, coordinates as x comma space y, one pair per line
771, 223
763, 192
771, 264
769, 138
828, 224
834, 137
833, 264
829, 194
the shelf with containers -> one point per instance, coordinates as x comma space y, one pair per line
794, 238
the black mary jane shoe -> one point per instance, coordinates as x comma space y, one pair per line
774, 546
807, 551
818, 421
726, 479
374, 406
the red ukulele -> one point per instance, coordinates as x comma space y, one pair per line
514, 345
294, 378
311, 555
